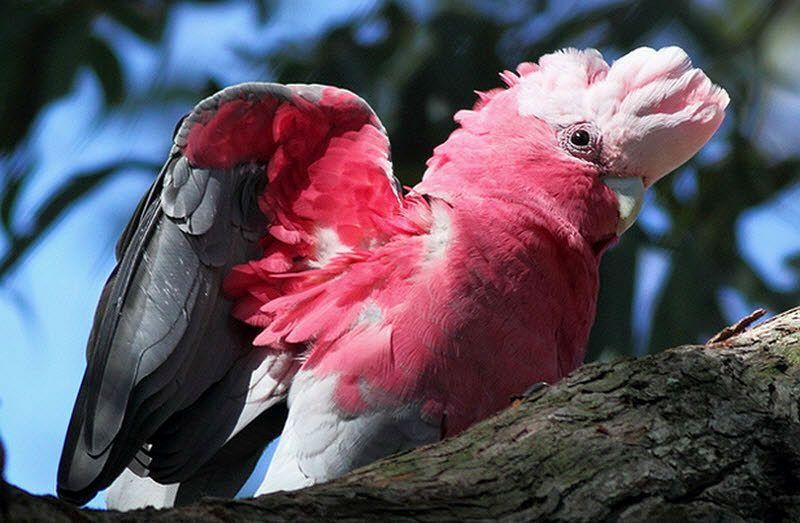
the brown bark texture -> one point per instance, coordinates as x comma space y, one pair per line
695, 433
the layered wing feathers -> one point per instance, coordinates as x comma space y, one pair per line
258, 173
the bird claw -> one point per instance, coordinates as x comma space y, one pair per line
530, 391
533, 389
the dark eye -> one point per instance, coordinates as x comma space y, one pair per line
580, 138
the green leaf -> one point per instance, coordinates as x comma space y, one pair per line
59, 202
105, 63
8, 198
145, 18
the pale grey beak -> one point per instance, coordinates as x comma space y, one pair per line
630, 196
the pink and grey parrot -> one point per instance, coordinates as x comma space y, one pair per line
278, 280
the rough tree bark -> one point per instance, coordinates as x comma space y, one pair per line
706, 433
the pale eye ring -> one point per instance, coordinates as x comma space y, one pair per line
581, 140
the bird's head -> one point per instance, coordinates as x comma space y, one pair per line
586, 137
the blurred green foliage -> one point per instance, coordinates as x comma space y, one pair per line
417, 71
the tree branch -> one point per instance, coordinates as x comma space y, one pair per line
696, 432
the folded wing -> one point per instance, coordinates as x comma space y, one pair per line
290, 174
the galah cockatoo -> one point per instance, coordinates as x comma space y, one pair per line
276, 280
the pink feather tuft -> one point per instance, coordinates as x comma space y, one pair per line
509, 78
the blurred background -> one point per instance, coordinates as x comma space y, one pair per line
90, 92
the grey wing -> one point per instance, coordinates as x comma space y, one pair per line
162, 334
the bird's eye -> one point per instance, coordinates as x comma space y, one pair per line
580, 138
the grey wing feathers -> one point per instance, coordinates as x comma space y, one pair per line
227, 471
256, 383
162, 333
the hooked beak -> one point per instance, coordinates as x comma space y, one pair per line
630, 196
